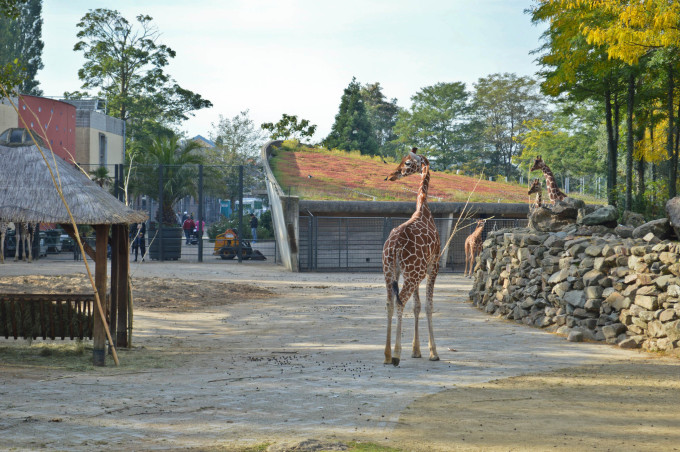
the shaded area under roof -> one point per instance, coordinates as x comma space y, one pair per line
27, 193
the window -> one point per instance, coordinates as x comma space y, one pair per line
102, 149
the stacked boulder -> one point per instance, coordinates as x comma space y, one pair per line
587, 281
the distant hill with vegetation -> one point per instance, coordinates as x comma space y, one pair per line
322, 174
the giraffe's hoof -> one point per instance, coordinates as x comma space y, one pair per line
416, 355
395, 362
434, 358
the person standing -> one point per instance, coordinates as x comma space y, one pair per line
140, 240
138, 237
188, 228
253, 227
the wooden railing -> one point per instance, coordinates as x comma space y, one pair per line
46, 315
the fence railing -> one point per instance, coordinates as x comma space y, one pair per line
356, 243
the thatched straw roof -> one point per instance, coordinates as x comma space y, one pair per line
27, 193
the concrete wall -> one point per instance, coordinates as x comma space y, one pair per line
8, 117
91, 125
285, 214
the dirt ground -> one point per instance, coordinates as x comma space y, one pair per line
232, 355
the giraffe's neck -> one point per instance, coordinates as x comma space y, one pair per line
539, 199
551, 185
421, 203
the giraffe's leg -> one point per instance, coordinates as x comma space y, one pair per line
404, 295
390, 311
2, 246
467, 258
416, 315
29, 245
429, 305
17, 241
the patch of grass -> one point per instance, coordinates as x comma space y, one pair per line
76, 356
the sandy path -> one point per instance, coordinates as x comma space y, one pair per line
306, 363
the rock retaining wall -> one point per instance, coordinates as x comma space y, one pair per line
623, 291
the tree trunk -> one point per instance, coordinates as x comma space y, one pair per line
611, 149
630, 104
673, 157
640, 167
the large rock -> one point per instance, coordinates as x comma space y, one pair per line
660, 228
632, 219
542, 219
567, 209
673, 212
606, 216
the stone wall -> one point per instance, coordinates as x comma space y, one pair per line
601, 287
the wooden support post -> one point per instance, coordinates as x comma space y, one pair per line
121, 282
100, 263
113, 305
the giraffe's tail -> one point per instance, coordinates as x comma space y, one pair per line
395, 292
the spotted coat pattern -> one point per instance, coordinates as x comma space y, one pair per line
554, 193
535, 187
412, 252
24, 234
473, 246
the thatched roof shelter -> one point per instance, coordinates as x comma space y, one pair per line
28, 194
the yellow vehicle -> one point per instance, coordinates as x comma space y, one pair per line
226, 246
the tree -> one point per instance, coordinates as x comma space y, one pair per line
126, 63
101, 176
570, 141
383, 117
288, 128
435, 123
11, 8
180, 162
503, 103
352, 129
580, 70
237, 142
21, 45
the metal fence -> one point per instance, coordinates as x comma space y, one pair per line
355, 244
208, 193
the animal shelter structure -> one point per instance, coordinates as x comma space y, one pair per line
28, 195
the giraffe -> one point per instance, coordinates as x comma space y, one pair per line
473, 246
536, 188
23, 233
411, 250
554, 193
3, 232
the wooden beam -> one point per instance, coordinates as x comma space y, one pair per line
68, 228
123, 275
113, 299
100, 262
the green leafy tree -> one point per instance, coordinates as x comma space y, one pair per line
101, 176
503, 103
126, 64
288, 128
21, 45
575, 68
382, 114
435, 123
237, 142
180, 162
352, 128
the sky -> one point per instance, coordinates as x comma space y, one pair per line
272, 57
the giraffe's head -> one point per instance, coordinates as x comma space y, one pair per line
411, 164
535, 186
481, 223
538, 164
